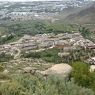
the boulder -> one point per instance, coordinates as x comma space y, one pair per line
92, 68
58, 69
63, 54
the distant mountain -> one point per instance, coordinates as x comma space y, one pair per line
83, 15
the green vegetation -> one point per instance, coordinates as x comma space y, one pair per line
7, 38
85, 32
26, 84
83, 76
32, 85
49, 55
15, 30
34, 27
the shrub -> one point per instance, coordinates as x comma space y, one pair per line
11, 88
82, 76
37, 85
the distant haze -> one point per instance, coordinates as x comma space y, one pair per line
30, 0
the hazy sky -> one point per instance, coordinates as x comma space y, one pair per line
30, 0
34, 0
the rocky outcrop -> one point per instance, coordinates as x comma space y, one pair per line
58, 69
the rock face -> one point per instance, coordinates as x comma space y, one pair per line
58, 69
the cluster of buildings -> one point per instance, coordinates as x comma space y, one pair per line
27, 10
20, 16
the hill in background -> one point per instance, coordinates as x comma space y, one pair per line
84, 15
